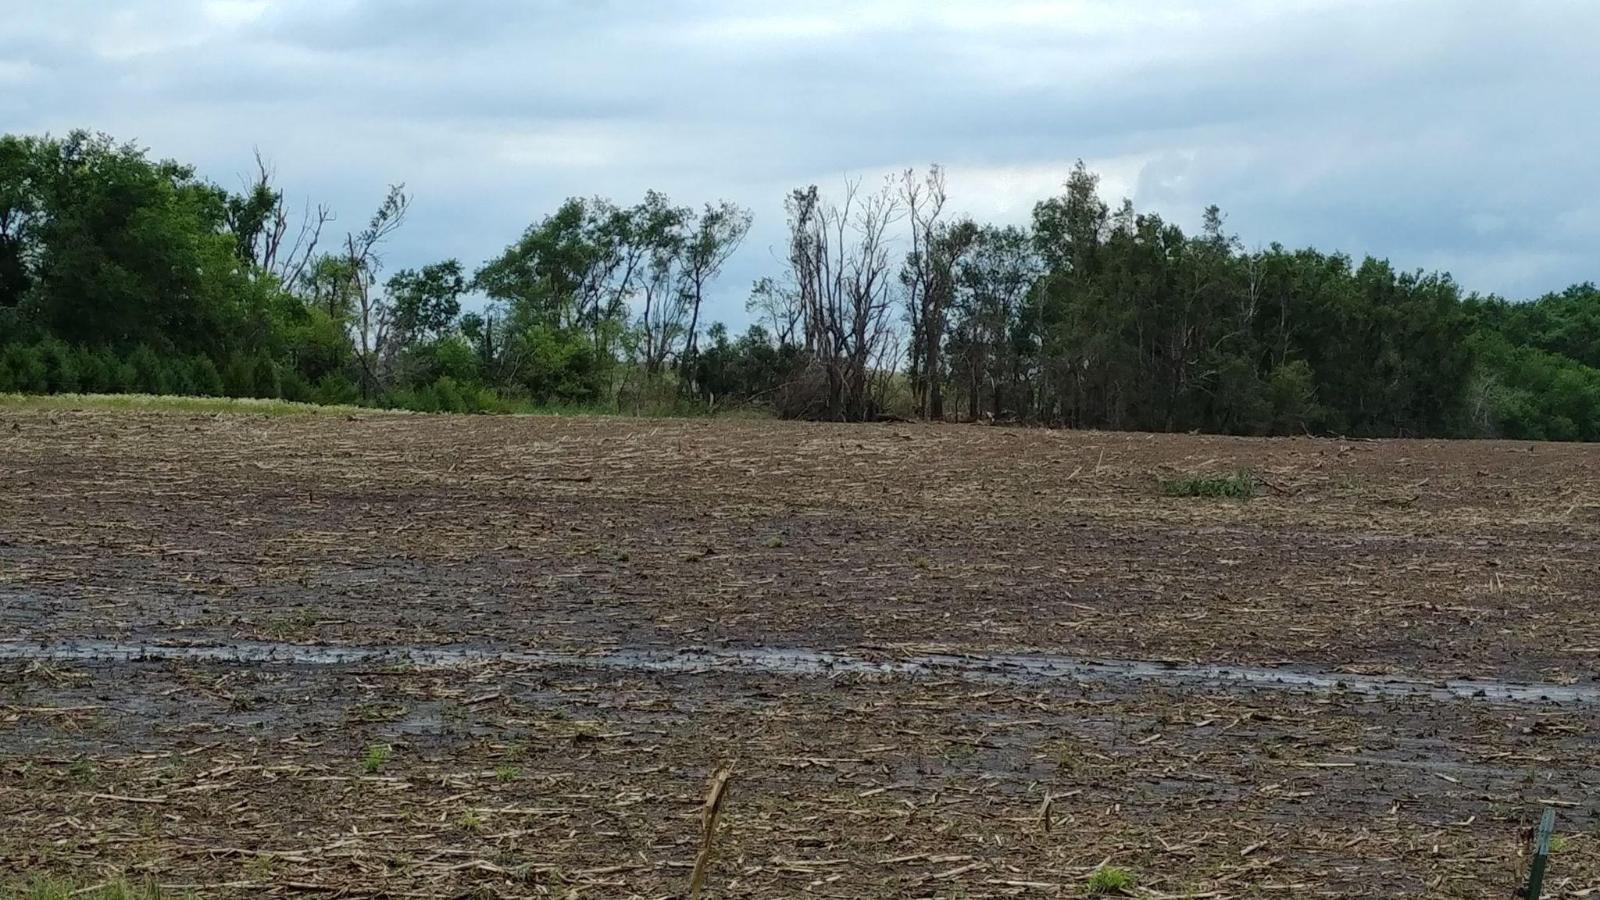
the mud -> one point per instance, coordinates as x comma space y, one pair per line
446, 657
1007, 669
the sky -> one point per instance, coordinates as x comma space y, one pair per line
1441, 134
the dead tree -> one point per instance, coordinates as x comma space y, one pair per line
363, 264
839, 260
261, 222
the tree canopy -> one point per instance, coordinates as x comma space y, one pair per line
119, 272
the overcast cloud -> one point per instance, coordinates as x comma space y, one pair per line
1449, 134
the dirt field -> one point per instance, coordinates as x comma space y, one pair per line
503, 657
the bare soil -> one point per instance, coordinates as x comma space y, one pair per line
525, 768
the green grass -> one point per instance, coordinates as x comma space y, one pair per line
1109, 880
169, 403
255, 406
56, 889
375, 757
1237, 484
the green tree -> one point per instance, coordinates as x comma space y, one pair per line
425, 303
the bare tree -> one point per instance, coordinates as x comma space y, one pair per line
363, 264
924, 199
929, 279
778, 305
260, 222
839, 259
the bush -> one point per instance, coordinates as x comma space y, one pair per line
150, 375
454, 358
179, 377
418, 399
92, 373
122, 376
562, 366
61, 367
1292, 392
292, 387
334, 389
484, 400
264, 380
28, 373
238, 377
204, 379
447, 396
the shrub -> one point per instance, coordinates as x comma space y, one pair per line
179, 377
454, 357
150, 374
264, 380
92, 371
61, 367
292, 387
238, 377
332, 389
28, 373
485, 400
204, 378
447, 395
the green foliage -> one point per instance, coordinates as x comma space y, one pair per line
374, 759
334, 389
119, 889
26, 369
561, 366
123, 273
426, 303
292, 387
116, 249
751, 369
1535, 380
169, 403
1110, 880
150, 372
204, 379
264, 378
454, 357
317, 342
1240, 484
1292, 398
62, 370
239, 377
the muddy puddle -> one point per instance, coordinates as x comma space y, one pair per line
1005, 668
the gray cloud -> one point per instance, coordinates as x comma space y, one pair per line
1454, 134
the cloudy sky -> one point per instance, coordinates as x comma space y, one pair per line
1451, 134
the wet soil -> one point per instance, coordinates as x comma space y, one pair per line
943, 661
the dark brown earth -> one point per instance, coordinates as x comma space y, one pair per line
1414, 559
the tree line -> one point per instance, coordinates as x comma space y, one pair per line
122, 273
